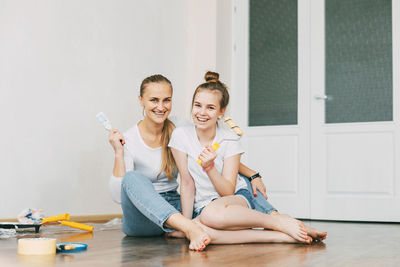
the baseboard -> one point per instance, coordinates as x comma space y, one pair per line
99, 218
9, 220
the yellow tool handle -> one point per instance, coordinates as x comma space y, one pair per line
215, 146
56, 218
76, 225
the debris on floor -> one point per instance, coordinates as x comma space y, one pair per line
7, 233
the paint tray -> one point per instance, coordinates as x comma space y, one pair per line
17, 225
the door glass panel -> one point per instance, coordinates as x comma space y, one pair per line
273, 62
358, 65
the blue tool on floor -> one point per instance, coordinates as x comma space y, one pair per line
70, 247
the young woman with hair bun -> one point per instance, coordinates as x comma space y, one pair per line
213, 191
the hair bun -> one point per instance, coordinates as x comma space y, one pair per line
211, 76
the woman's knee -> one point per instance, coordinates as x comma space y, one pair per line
213, 217
132, 179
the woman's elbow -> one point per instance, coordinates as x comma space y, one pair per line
187, 182
187, 187
227, 192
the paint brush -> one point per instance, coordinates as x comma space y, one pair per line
102, 118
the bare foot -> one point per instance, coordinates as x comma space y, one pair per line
280, 237
315, 234
198, 238
175, 234
294, 228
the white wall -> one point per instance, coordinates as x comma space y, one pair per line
61, 62
225, 46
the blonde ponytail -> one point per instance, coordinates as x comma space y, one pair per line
168, 165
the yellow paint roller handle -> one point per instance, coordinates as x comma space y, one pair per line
56, 218
80, 226
215, 146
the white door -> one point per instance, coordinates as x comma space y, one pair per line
355, 131
278, 146
335, 161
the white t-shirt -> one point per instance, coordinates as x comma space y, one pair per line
185, 139
140, 157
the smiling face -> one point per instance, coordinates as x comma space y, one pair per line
157, 101
206, 109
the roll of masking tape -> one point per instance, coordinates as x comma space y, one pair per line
36, 246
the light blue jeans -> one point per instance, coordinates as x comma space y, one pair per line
260, 203
144, 209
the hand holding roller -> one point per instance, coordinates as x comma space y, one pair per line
236, 129
215, 146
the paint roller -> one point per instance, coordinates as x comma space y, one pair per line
37, 222
234, 127
63, 219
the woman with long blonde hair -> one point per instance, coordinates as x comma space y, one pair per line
144, 174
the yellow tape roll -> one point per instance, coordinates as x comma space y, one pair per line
36, 246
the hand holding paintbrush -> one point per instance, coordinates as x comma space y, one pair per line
115, 138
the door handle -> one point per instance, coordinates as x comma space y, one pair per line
320, 97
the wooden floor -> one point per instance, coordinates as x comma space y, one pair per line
348, 244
